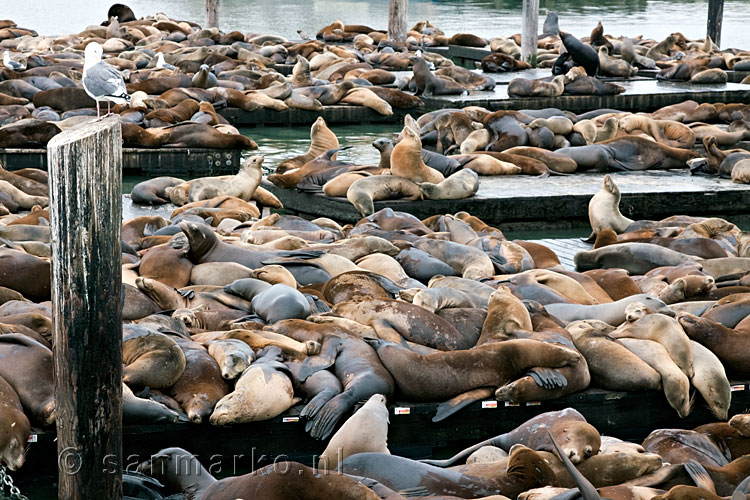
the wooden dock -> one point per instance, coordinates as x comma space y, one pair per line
179, 162
566, 249
531, 203
241, 448
333, 115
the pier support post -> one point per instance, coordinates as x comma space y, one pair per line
86, 214
529, 31
212, 13
715, 17
398, 11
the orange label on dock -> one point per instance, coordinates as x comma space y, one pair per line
489, 404
402, 411
738, 387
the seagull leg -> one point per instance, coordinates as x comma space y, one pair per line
98, 113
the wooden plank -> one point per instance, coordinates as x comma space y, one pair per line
715, 17
86, 210
398, 12
529, 30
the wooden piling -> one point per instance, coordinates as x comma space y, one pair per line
715, 17
86, 213
529, 31
212, 13
398, 11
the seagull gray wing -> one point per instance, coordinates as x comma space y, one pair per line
102, 80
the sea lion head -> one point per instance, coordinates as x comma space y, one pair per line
383, 144
529, 468
635, 311
14, 433
578, 440
609, 185
253, 163
741, 422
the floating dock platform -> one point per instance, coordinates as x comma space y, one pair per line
239, 449
178, 162
519, 202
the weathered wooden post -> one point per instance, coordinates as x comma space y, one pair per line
715, 17
398, 11
529, 31
212, 13
86, 212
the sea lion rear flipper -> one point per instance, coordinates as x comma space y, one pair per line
448, 408
463, 454
309, 187
301, 254
385, 331
570, 494
655, 479
312, 408
700, 476
588, 492
328, 416
188, 294
591, 238
548, 378
327, 357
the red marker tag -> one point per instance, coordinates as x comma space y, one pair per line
289, 419
402, 411
489, 404
738, 387
32, 438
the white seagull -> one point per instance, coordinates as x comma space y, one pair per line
101, 81
161, 63
11, 64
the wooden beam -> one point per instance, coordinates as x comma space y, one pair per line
86, 215
398, 11
529, 31
212, 13
715, 17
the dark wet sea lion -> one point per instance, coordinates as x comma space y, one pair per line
526, 469
29, 370
25, 273
362, 374
430, 84
582, 54
628, 153
151, 192
28, 133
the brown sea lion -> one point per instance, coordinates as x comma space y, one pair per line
35, 386
321, 140
678, 446
406, 160
522, 87
14, 427
455, 372
151, 358
726, 343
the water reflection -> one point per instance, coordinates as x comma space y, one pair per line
486, 18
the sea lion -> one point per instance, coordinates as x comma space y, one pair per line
406, 159
604, 208
14, 427
200, 385
271, 302
505, 315
628, 152
136, 410
526, 469
675, 383
242, 185
35, 386
582, 54
409, 321
25, 274
455, 372
204, 78
151, 359
724, 342
361, 373
365, 191
232, 355
664, 330
678, 446
612, 313
614, 67
365, 431
429, 84
522, 87
470, 261
152, 191
263, 391
637, 258
462, 184
611, 365
580, 439
168, 264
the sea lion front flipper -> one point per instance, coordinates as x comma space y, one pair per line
448, 408
300, 254
588, 492
548, 378
327, 357
462, 454
700, 476
385, 331
188, 294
